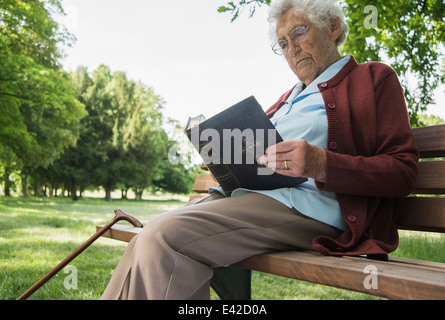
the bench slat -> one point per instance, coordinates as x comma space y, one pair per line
431, 177
420, 214
395, 280
430, 141
203, 182
120, 232
440, 266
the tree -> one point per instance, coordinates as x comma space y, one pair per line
174, 177
73, 169
121, 140
39, 117
137, 134
409, 35
430, 120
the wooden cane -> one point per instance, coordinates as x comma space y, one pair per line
120, 215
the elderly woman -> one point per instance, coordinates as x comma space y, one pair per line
346, 129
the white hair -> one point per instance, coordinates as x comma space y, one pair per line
317, 12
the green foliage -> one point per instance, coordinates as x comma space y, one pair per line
430, 120
121, 141
39, 117
72, 131
174, 177
409, 35
237, 9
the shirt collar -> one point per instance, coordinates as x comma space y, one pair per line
349, 66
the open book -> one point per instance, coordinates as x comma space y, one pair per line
231, 143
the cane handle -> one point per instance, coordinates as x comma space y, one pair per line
121, 215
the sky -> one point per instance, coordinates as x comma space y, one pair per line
188, 53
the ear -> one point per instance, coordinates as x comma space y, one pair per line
335, 30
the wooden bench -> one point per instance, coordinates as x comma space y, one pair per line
399, 278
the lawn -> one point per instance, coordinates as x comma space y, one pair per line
37, 233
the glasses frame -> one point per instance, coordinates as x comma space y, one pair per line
295, 38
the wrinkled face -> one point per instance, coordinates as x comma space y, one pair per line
312, 55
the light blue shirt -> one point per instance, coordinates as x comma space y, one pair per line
303, 116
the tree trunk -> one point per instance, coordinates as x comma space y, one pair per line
7, 182
25, 190
108, 194
73, 189
38, 189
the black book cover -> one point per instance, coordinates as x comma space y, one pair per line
230, 144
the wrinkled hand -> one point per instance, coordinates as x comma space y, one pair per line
302, 160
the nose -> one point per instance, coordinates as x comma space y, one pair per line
293, 48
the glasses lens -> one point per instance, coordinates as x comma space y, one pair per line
277, 49
298, 33
280, 47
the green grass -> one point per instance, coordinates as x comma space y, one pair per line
37, 233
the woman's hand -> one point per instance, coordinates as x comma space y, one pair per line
296, 158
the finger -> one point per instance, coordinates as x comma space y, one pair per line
281, 147
278, 157
278, 165
291, 172
263, 160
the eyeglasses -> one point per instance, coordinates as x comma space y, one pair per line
296, 35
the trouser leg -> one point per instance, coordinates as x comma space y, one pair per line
173, 257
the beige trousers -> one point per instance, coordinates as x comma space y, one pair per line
173, 257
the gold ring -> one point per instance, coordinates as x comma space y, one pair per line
285, 165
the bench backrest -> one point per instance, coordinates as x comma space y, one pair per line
424, 210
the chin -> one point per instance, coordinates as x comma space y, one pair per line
305, 78
308, 76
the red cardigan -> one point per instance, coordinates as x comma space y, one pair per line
371, 156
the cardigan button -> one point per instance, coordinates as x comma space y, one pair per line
324, 85
333, 145
332, 106
352, 218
